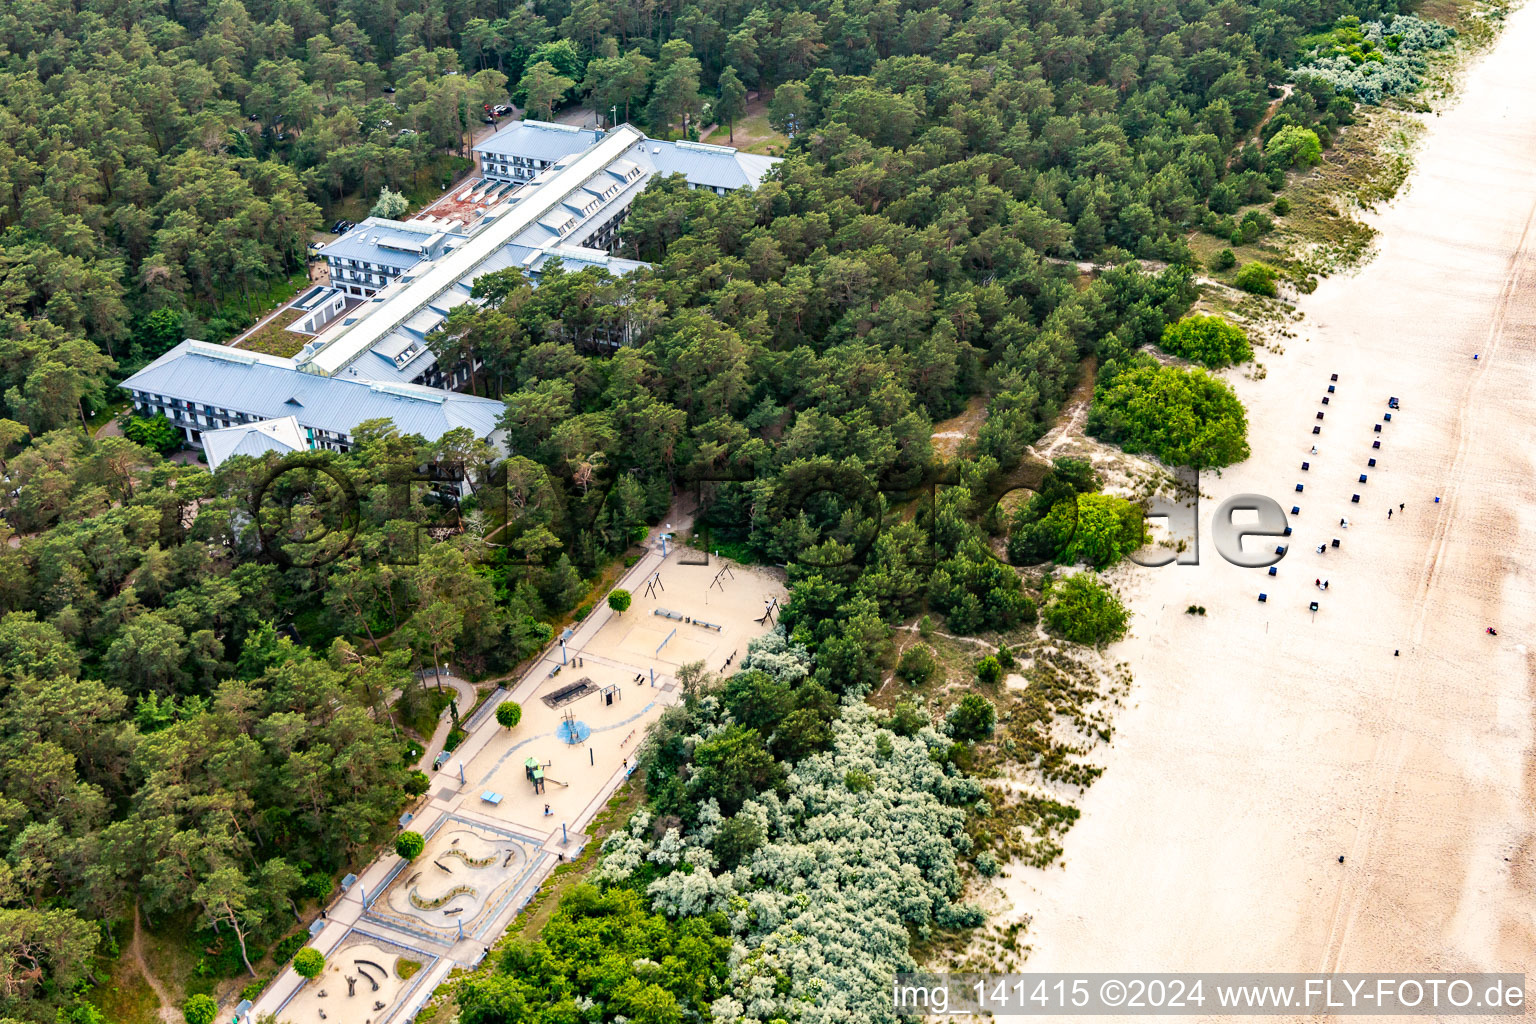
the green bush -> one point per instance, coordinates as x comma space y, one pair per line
739, 837
318, 885
1294, 146
917, 665
199, 1010
1258, 279
619, 600
308, 962
1184, 417
582, 612
1208, 340
508, 714
154, 432
906, 719
1083, 610
989, 670
285, 950
972, 719
417, 783
1225, 259
409, 845
1105, 529
1282, 206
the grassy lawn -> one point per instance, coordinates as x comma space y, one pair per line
753, 133
125, 997
424, 188
234, 310
275, 338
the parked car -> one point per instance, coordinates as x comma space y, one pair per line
407, 131
389, 89
254, 117
488, 120
502, 110
341, 227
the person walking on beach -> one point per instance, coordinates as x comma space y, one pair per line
1492, 631
1401, 506
1389, 513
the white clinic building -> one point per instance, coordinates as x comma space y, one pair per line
565, 193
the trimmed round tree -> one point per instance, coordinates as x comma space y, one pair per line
309, 962
619, 600
409, 845
508, 714
199, 1009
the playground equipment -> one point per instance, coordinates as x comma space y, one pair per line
571, 730
567, 694
654, 584
771, 605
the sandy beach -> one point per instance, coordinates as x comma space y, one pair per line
1262, 742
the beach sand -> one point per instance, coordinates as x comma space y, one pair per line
1261, 742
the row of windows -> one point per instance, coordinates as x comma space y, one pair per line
175, 411
337, 263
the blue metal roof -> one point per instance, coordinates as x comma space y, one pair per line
540, 140
390, 242
705, 164
271, 388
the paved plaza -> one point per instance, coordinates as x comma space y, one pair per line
511, 804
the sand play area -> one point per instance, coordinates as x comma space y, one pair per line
1262, 742
593, 706
362, 981
462, 878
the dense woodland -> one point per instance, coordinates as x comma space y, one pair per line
200, 727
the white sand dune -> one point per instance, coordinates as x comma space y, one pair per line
1262, 742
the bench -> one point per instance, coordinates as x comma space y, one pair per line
491, 798
667, 613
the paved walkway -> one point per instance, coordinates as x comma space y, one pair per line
449, 797
467, 695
